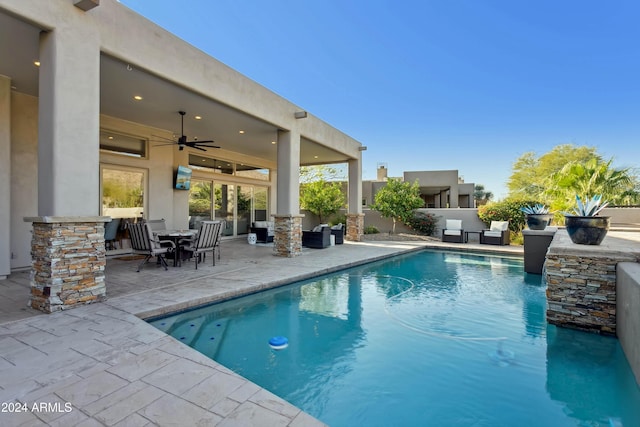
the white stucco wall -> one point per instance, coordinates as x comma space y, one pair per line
24, 175
5, 171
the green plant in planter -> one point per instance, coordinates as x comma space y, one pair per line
589, 207
538, 216
583, 224
535, 209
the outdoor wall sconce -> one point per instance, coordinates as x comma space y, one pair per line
362, 148
300, 114
87, 5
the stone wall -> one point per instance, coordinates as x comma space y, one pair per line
581, 282
68, 262
287, 239
355, 227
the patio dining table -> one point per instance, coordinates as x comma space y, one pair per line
175, 236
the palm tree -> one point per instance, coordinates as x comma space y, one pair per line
481, 197
618, 186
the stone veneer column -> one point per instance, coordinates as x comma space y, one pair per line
581, 285
69, 260
287, 239
355, 227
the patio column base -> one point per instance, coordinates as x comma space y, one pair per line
287, 239
355, 227
68, 262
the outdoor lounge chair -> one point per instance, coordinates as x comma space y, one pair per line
497, 234
318, 238
264, 231
205, 241
338, 232
143, 242
453, 232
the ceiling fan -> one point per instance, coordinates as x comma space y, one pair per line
182, 140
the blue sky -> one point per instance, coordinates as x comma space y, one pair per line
431, 85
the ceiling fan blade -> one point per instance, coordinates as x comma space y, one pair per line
202, 142
209, 146
198, 148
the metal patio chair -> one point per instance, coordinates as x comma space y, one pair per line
143, 242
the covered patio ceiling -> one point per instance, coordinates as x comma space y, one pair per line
161, 101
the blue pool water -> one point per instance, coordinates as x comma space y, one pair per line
431, 338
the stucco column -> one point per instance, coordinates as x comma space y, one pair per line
68, 122
68, 235
287, 240
453, 196
355, 217
5, 176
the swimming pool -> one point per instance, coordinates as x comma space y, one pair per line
431, 338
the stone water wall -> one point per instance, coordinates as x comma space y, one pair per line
68, 262
581, 282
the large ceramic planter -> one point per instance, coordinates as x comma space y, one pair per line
587, 230
538, 221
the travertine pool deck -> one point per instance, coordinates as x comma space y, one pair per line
101, 364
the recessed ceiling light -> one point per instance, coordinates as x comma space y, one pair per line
137, 98
241, 131
315, 157
273, 142
198, 117
110, 137
36, 63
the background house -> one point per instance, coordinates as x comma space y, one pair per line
438, 189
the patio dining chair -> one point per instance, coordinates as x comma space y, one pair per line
216, 247
144, 243
111, 232
157, 224
205, 241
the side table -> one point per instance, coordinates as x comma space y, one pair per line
466, 235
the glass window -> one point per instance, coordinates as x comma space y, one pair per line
200, 202
210, 164
228, 168
121, 144
123, 192
252, 172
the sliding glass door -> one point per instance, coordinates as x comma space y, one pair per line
238, 205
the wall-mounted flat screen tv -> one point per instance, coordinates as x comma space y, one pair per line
183, 178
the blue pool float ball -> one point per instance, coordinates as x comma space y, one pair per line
278, 343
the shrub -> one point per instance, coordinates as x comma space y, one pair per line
339, 219
371, 229
506, 210
423, 222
